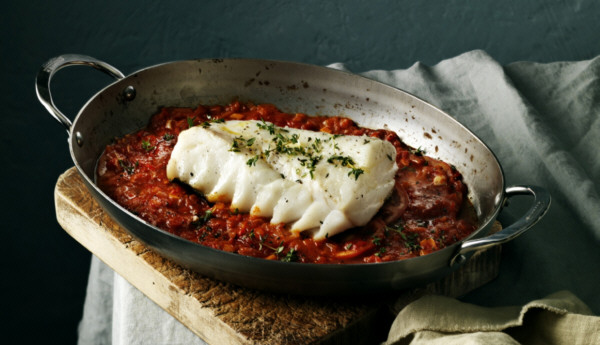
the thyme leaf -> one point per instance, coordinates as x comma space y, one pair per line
147, 146
291, 256
190, 121
356, 173
252, 161
128, 167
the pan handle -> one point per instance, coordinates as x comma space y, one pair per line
44, 76
541, 203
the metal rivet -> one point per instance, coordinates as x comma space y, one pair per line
129, 93
79, 138
458, 260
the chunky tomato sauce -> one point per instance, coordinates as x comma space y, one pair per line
427, 210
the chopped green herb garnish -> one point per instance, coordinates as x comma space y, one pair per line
200, 221
410, 241
241, 142
206, 124
235, 145
313, 163
252, 161
291, 256
128, 167
207, 215
356, 173
376, 241
418, 151
168, 136
279, 249
346, 161
266, 126
397, 228
316, 146
190, 121
147, 146
380, 252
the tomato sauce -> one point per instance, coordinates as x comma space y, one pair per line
427, 210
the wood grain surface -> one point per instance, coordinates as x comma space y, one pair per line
221, 313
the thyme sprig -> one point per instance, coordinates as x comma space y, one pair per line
308, 154
346, 161
240, 143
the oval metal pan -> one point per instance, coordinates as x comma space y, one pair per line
292, 87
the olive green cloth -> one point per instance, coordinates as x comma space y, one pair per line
560, 318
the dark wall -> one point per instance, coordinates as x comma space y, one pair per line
44, 281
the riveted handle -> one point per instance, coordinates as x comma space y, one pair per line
541, 203
44, 76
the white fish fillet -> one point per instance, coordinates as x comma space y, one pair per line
314, 181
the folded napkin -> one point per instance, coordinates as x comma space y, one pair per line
560, 318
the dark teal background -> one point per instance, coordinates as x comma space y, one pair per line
45, 271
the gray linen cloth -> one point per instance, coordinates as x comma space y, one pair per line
543, 123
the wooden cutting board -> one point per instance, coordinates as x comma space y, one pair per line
221, 313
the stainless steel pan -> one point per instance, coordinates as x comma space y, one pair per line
127, 104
